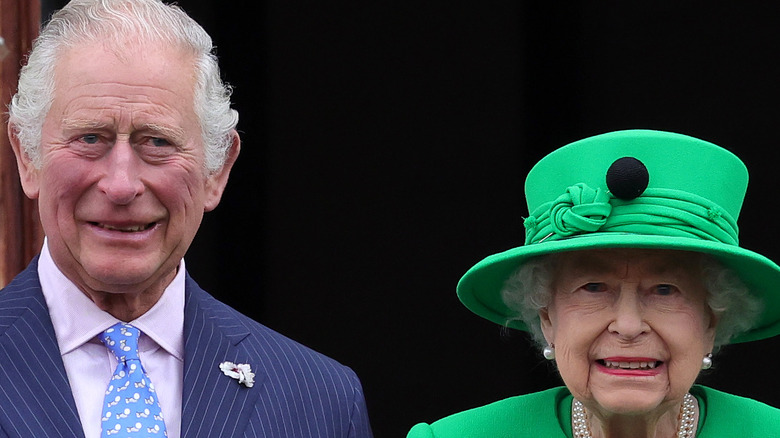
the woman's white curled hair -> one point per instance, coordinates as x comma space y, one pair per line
112, 22
529, 290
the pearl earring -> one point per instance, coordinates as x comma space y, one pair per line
706, 363
549, 352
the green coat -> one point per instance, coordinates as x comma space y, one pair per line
548, 414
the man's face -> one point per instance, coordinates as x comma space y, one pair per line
122, 188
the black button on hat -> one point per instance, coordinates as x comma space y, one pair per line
627, 178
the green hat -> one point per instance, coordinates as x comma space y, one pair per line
632, 189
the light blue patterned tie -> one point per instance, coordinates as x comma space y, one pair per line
130, 408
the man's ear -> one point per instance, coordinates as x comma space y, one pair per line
28, 174
217, 181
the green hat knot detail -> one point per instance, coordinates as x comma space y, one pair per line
530, 223
580, 209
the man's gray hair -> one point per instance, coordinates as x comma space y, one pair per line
529, 290
113, 22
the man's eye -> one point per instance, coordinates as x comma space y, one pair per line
157, 141
90, 138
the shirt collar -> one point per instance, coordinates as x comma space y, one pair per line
78, 320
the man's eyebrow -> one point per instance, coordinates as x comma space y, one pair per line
83, 124
175, 134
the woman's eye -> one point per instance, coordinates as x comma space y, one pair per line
595, 287
664, 289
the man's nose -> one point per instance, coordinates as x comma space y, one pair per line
121, 182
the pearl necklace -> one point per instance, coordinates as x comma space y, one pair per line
687, 416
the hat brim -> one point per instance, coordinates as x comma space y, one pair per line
480, 288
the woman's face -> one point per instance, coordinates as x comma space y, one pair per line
630, 327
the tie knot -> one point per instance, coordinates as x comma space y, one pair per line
122, 340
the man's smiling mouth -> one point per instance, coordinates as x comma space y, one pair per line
125, 229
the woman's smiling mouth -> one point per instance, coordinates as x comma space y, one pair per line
629, 365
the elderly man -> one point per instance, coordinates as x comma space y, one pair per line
124, 134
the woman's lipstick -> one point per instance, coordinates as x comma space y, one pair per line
630, 366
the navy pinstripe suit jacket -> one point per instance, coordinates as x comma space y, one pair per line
297, 392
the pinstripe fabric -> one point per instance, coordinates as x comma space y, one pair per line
297, 392
34, 397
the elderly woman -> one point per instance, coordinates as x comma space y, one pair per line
630, 278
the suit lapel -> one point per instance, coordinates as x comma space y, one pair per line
35, 396
213, 404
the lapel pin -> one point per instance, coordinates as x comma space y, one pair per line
242, 372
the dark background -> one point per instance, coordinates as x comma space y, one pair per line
385, 144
